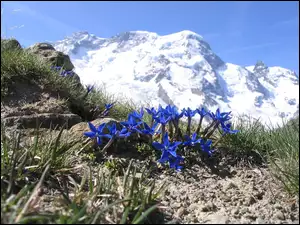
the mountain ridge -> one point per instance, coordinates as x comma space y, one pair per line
181, 69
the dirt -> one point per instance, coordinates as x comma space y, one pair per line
245, 195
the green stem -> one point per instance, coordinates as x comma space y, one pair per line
213, 130
188, 130
199, 125
171, 130
207, 128
163, 131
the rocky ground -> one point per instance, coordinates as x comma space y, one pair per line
244, 195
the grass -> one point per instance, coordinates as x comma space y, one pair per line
44, 181
31, 173
20, 66
277, 146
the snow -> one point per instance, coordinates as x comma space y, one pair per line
121, 70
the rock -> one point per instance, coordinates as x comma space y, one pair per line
48, 53
176, 205
10, 44
279, 215
250, 201
209, 207
180, 212
43, 120
235, 211
277, 206
80, 128
217, 219
229, 185
260, 220
245, 221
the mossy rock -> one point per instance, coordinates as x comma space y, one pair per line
10, 44
50, 55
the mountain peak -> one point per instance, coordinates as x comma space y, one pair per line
260, 69
183, 69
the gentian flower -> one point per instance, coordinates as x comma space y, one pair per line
138, 115
96, 132
220, 117
150, 131
192, 141
89, 88
167, 148
162, 120
130, 126
226, 129
152, 111
189, 113
205, 146
175, 162
57, 68
173, 113
202, 114
113, 130
109, 106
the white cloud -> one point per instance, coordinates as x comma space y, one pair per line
50, 22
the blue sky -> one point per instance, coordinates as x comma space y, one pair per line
239, 32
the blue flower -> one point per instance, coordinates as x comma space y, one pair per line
137, 115
189, 113
173, 112
202, 112
113, 130
220, 117
226, 129
206, 145
96, 132
109, 106
57, 68
191, 141
152, 111
89, 88
175, 162
162, 119
130, 126
167, 148
151, 130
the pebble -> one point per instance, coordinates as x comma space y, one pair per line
235, 211
176, 205
259, 220
279, 215
209, 207
180, 212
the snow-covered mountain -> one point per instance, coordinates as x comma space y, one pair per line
181, 69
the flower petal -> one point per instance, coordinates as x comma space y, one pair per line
166, 139
101, 126
92, 127
173, 153
99, 141
194, 136
164, 157
90, 134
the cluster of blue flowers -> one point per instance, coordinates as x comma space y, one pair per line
171, 134
62, 72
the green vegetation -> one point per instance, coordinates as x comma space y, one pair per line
276, 146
